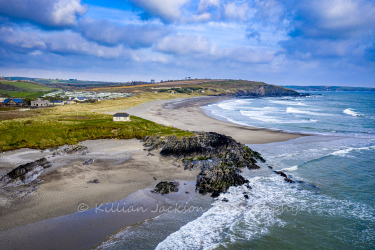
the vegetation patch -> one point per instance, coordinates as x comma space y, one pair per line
48, 131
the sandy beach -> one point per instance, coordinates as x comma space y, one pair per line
187, 114
122, 168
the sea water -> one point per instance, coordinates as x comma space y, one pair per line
330, 205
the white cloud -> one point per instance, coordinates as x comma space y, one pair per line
335, 18
134, 36
205, 4
232, 11
167, 10
200, 18
184, 45
21, 39
66, 11
49, 13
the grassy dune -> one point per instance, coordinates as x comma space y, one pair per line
70, 124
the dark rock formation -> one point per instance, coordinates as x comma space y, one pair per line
219, 158
165, 187
88, 162
26, 173
96, 181
73, 149
266, 90
281, 173
286, 178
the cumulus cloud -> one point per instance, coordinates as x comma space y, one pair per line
134, 36
330, 29
269, 11
166, 10
306, 49
184, 45
64, 43
47, 13
335, 19
20, 39
206, 4
235, 11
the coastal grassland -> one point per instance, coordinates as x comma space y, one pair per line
51, 131
71, 124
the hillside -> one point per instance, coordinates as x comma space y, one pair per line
22, 89
238, 88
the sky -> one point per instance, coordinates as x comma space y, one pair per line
283, 42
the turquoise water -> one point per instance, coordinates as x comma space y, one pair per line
331, 204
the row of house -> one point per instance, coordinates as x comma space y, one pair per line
46, 103
86, 95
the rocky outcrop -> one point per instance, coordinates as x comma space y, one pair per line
219, 157
165, 187
266, 90
73, 149
286, 178
25, 174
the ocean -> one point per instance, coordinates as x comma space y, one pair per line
330, 205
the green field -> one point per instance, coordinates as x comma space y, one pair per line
24, 89
21, 94
27, 86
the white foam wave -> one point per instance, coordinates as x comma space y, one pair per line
351, 112
344, 152
246, 219
225, 106
294, 168
288, 102
306, 112
266, 115
217, 223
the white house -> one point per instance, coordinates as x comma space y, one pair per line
121, 117
40, 103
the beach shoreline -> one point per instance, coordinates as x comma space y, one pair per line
186, 114
122, 166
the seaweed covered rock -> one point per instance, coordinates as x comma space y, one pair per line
165, 187
25, 174
218, 178
206, 145
73, 149
219, 158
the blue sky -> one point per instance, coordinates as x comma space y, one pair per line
284, 42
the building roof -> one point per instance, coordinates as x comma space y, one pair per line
121, 115
16, 100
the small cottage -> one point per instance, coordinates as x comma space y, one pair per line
121, 117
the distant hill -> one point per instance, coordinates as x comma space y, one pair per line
328, 88
74, 82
